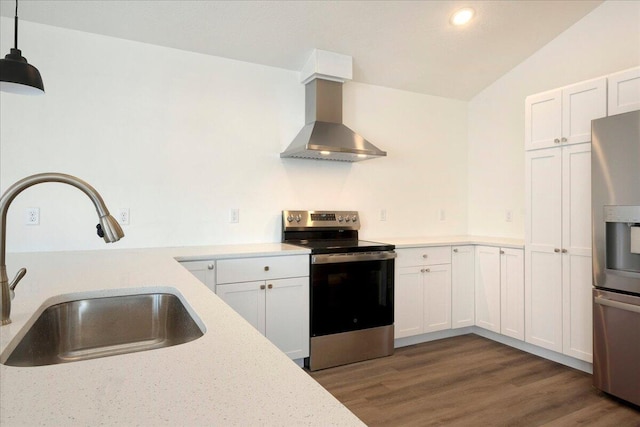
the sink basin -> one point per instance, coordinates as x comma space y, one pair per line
101, 327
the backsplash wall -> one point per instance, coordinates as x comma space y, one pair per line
180, 138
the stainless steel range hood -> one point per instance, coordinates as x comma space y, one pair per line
325, 137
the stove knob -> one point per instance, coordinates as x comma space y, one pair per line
347, 218
354, 218
290, 218
298, 218
340, 219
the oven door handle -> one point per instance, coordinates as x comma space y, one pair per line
352, 257
617, 304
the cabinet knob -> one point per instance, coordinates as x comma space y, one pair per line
262, 286
564, 251
556, 250
270, 286
266, 268
563, 139
210, 266
422, 270
424, 256
427, 270
556, 141
455, 250
501, 252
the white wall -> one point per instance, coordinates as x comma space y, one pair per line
605, 41
180, 138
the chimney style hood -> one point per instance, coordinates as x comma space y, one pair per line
325, 137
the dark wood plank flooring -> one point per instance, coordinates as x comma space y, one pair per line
471, 381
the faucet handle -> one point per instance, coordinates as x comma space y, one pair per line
15, 281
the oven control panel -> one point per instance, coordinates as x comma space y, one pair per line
320, 219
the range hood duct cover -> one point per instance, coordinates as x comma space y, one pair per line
325, 137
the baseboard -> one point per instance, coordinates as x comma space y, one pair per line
511, 342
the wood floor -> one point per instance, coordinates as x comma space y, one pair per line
471, 381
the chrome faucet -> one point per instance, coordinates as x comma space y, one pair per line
109, 229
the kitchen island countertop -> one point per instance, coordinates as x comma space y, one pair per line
232, 375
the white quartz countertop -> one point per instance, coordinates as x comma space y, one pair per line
416, 242
232, 375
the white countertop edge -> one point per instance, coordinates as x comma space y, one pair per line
418, 242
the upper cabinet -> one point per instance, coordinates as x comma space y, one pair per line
624, 91
563, 116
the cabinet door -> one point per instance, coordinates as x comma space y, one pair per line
624, 91
248, 300
409, 301
437, 297
576, 251
543, 120
512, 293
462, 286
582, 103
488, 288
543, 240
287, 315
203, 270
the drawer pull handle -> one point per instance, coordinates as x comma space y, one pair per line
266, 268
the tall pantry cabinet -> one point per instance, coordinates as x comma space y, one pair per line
558, 216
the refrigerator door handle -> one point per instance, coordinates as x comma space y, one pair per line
617, 304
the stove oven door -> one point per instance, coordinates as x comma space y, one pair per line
351, 291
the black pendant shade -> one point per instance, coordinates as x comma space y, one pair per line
16, 74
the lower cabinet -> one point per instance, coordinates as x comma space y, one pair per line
463, 286
512, 293
271, 293
422, 291
203, 270
488, 288
500, 290
279, 309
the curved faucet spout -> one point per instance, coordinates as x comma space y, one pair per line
110, 227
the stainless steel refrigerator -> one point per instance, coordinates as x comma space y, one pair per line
615, 207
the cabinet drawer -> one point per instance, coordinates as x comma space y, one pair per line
262, 268
423, 256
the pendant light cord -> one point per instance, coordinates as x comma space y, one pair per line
15, 21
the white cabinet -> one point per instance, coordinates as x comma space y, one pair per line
488, 288
563, 116
462, 286
271, 293
512, 293
624, 91
422, 290
558, 249
500, 290
203, 270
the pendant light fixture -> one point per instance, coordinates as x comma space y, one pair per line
16, 75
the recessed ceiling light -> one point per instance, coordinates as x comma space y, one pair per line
462, 16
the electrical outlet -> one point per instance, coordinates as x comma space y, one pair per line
234, 215
32, 216
383, 214
123, 216
508, 215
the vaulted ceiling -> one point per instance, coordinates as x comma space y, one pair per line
407, 45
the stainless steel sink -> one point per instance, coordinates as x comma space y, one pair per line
101, 327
